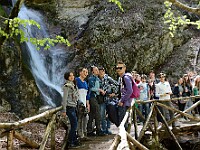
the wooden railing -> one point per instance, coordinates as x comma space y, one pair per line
11, 130
123, 140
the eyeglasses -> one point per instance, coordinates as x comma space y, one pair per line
118, 68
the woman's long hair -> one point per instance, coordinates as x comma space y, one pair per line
186, 82
66, 76
197, 82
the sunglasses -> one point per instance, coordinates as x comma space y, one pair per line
118, 68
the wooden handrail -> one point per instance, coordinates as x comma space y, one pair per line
125, 139
167, 100
30, 119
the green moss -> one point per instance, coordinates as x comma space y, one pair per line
26, 72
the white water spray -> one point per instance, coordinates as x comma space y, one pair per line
47, 66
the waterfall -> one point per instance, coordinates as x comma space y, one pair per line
47, 66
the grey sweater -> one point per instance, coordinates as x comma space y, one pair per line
70, 95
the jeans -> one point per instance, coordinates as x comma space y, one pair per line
71, 113
146, 109
188, 104
166, 111
103, 117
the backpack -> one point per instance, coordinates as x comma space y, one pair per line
136, 90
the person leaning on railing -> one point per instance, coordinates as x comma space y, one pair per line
196, 91
163, 91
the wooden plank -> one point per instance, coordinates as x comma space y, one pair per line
53, 142
156, 137
47, 132
115, 142
168, 129
10, 140
135, 142
180, 112
30, 119
146, 124
26, 140
167, 100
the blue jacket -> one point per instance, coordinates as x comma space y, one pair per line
94, 85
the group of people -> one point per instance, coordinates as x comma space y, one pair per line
161, 88
187, 85
85, 99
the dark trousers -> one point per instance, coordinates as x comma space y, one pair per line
121, 113
71, 113
94, 114
181, 106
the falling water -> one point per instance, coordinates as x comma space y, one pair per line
47, 66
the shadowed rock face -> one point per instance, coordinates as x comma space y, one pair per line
137, 36
6, 2
101, 34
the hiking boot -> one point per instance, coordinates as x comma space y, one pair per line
91, 134
100, 133
74, 146
108, 132
85, 138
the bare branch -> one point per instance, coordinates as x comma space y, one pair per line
185, 7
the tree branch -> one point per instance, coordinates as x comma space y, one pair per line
185, 7
13, 14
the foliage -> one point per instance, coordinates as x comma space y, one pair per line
118, 3
15, 31
174, 21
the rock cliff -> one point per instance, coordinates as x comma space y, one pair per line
100, 35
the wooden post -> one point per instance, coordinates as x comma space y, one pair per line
26, 140
47, 132
146, 124
130, 119
10, 140
157, 144
131, 146
135, 142
63, 147
167, 127
115, 143
135, 122
53, 142
142, 117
